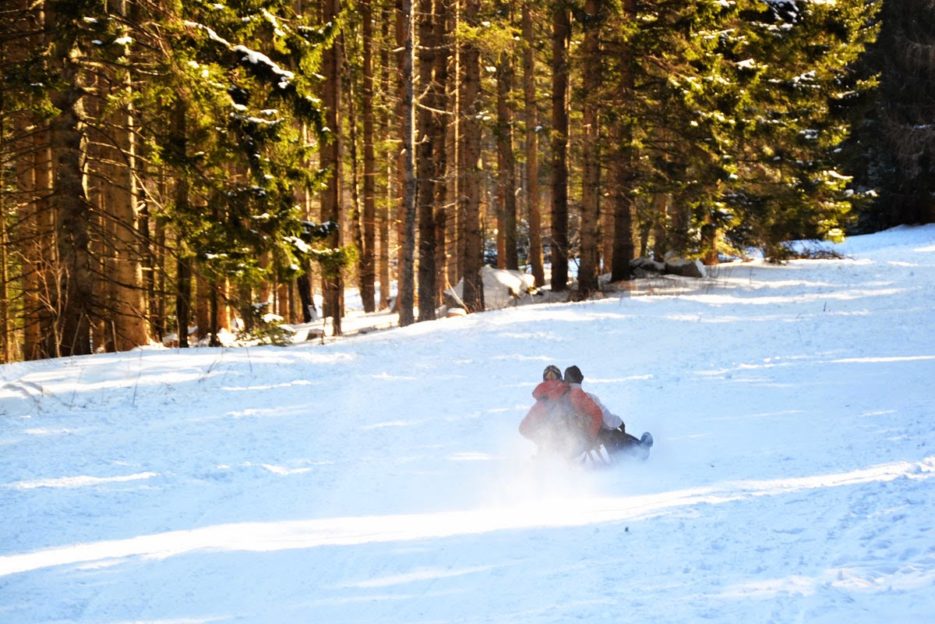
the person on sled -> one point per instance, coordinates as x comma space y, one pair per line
613, 435
563, 421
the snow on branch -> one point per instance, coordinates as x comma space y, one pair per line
248, 55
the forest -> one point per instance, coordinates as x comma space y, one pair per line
173, 169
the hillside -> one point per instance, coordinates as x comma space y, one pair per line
381, 478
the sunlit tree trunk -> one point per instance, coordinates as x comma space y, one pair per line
367, 253
470, 155
506, 161
621, 169
427, 150
129, 313
441, 104
531, 118
73, 300
183, 264
406, 295
591, 153
389, 162
561, 34
331, 155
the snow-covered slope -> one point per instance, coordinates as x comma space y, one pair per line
381, 478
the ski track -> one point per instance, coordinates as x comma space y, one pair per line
381, 479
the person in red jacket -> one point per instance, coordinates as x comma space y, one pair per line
612, 435
564, 420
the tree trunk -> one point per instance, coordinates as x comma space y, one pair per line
426, 152
41, 254
331, 158
470, 174
73, 299
129, 313
183, 265
591, 178
367, 253
620, 173
202, 304
506, 161
406, 295
356, 222
561, 34
531, 118
439, 99
383, 260
183, 289
6, 211
621, 169
660, 224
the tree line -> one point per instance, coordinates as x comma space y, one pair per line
174, 168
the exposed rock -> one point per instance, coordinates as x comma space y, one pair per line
685, 268
502, 288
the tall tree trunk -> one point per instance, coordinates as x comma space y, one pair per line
183, 266
353, 147
383, 259
406, 295
506, 161
623, 219
37, 242
6, 210
129, 315
426, 152
621, 167
42, 255
443, 36
153, 231
183, 286
73, 300
203, 290
561, 34
331, 158
660, 224
470, 174
367, 253
591, 178
454, 241
101, 168
531, 119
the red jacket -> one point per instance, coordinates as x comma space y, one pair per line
551, 395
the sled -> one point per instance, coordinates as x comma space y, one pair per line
615, 445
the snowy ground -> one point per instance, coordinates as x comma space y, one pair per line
381, 479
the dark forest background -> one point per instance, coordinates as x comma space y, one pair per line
206, 164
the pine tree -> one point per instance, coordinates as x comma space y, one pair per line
799, 55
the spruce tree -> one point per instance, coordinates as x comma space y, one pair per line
798, 56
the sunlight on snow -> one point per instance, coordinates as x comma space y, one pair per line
77, 482
426, 574
288, 384
884, 360
850, 579
471, 457
46, 431
553, 512
789, 299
